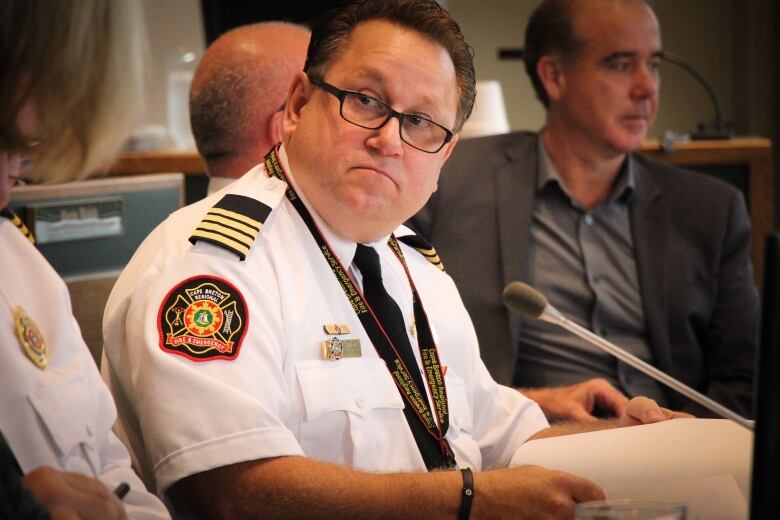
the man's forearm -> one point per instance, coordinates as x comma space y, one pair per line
297, 487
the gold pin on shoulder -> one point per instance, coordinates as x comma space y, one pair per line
30, 337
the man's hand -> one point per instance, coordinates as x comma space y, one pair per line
643, 410
73, 496
578, 402
530, 492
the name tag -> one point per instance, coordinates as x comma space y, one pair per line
335, 349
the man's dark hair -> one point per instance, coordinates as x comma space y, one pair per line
331, 33
550, 31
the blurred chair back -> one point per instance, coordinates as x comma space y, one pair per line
89, 295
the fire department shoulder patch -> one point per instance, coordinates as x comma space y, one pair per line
203, 318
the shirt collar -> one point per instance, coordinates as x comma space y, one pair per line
548, 174
217, 183
344, 249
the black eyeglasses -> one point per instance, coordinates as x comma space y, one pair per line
368, 112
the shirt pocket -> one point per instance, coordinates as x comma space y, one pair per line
458, 404
461, 431
351, 409
67, 412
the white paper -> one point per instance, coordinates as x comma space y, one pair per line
707, 498
704, 463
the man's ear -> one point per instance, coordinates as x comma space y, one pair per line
551, 74
300, 90
446, 152
274, 130
449, 147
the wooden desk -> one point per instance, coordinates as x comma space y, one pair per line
133, 163
748, 159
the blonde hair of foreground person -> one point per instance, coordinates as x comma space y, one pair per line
79, 65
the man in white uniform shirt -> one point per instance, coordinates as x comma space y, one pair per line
248, 343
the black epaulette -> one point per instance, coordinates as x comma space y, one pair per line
423, 247
16, 221
233, 223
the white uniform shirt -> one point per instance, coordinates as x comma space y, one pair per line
279, 396
60, 416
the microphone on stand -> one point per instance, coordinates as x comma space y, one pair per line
716, 129
530, 303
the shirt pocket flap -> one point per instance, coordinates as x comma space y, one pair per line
54, 403
356, 386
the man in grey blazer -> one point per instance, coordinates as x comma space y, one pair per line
652, 257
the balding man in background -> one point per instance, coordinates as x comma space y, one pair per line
238, 94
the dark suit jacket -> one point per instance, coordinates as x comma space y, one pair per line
691, 237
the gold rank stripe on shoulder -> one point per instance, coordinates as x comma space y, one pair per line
424, 248
16, 221
233, 223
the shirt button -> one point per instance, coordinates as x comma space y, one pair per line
360, 403
588, 219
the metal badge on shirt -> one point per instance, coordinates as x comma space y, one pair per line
336, 348
30, 338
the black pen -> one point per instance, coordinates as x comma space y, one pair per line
121, 490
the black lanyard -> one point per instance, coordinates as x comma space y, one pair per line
435, 426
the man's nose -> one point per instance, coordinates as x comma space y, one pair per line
387, 138
646, 81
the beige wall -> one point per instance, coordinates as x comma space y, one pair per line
730, 41
171, 24
488, 26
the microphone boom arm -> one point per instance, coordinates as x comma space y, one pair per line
718, 128
551, 315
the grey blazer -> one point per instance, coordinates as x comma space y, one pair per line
691, 237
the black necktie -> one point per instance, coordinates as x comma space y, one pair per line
392, 320
386, 309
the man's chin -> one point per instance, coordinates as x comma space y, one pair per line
629, 142
369, 207
633, 133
